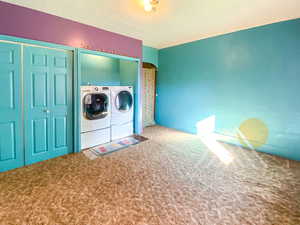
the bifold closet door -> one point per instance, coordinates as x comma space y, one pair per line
47, 103
11, 147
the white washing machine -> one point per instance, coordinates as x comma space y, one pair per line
95, 116
122, 111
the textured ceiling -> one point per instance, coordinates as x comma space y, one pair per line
175, 21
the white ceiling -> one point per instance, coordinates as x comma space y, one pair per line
175, 21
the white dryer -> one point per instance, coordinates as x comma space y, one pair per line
95, 116
122, 111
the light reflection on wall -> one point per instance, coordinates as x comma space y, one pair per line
205, 131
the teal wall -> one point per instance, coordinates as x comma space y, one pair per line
150, 55
253, 73
128, 70
105, 71
128, 77
102, 70
99, 70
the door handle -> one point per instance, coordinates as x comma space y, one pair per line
46, 111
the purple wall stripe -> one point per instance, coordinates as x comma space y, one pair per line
32, 24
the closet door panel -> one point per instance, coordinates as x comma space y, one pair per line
11, 142
61, 102
36, 104
48, 103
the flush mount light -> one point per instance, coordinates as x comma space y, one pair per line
150, 5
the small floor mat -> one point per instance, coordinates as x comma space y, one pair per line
100, 150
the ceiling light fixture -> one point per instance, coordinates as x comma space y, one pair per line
150, 5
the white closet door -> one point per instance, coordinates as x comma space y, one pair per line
148, 96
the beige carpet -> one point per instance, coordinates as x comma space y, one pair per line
171, 179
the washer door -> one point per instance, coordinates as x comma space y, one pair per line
124, 101
95, 106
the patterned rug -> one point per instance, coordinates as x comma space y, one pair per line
117, 145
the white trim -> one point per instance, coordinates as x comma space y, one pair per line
32, 45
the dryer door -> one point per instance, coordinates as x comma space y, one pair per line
124, 101
95, 106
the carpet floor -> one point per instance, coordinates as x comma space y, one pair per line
173, 178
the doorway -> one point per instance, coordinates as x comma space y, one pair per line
149, 94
